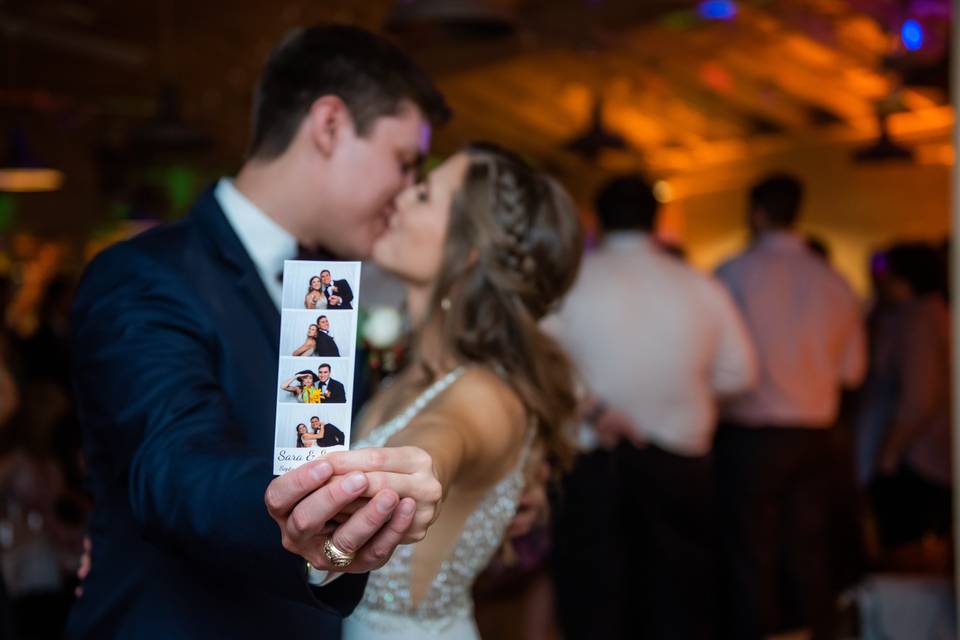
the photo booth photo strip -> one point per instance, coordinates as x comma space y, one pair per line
314, 408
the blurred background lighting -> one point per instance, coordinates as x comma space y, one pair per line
911, 34
21, 172
717, 9
24, 180
662, 191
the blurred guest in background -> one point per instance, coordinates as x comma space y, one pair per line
910, 375
876, 400
656, 342
772, 452
9, 393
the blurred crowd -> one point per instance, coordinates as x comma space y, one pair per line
777, 450
43, 505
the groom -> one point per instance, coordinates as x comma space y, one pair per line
180, 462
332, 390
338, 292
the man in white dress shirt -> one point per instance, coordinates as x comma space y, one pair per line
657, 342
773, 448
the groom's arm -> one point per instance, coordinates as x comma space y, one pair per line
344, 292
149, 396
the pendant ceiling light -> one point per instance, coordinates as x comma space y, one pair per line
597, 137
21, 172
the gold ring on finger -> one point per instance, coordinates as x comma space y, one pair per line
337, 556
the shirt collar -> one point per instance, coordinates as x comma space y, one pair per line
267, 243
781, 240
627, 240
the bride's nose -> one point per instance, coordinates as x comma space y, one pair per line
402, 199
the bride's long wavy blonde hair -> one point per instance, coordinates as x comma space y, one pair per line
513, 249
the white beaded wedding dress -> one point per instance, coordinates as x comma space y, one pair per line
387, 610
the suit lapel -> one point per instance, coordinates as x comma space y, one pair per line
227, 246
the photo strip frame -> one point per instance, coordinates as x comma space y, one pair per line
318, 342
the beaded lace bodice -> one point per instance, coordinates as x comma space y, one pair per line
448, 597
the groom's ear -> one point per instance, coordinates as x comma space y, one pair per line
327, 122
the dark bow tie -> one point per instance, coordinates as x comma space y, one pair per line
319, 254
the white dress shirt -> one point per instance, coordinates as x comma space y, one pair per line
807, 327
655, 338
267, 243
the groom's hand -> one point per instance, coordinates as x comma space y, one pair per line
409, 471
304, 502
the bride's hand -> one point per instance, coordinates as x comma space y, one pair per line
407, 470
303, 502
350, 509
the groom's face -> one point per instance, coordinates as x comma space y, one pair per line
368, 172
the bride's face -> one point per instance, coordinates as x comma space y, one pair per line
412, 247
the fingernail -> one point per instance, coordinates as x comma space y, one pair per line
319, 471
355, 482
385, 503
407, 507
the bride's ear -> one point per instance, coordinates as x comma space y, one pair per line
326, 123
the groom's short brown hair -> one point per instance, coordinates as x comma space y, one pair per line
372, 77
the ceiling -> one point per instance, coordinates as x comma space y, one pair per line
686, 94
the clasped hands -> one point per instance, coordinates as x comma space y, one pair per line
367, 501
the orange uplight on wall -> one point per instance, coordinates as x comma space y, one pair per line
21, 173
26, 180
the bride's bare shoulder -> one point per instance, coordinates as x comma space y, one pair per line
484, 388
484, 403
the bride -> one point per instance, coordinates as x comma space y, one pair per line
485, 246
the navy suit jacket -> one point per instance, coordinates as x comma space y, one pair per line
326, 346
175, 371
337, 393
345, 293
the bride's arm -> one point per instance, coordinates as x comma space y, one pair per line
288, 385
473, 436
306, 347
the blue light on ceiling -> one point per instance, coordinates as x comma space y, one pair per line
911, 34
717, 9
